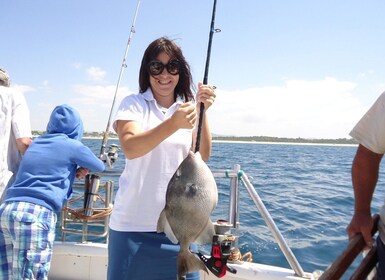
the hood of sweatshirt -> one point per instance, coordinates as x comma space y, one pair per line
65, 119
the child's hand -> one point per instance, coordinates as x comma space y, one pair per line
81, 172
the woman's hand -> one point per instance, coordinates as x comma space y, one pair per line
185, 116
205, 95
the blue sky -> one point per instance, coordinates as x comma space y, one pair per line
297, 68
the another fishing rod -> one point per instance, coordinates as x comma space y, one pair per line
114, 148
206, 74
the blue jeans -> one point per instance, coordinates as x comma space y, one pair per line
143, 256
27, 233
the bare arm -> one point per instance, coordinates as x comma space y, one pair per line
365, 171
136, 143
23, 143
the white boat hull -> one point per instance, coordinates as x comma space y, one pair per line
79, 261
88, 261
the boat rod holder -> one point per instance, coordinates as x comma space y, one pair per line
91, 190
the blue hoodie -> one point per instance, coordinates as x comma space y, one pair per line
48, 167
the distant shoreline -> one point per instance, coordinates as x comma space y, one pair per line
245, 139
258, 142
285, 143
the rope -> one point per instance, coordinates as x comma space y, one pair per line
235, 255
240, 174
78, 212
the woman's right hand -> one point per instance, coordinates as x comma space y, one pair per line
185, 116
136, 143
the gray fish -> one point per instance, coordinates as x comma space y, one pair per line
190, 198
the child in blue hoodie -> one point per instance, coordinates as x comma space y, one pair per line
42, 187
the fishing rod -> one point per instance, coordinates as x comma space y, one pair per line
206, 74
115, 148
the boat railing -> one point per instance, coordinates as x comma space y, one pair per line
80, 220
366, 269
237, 175
88, 213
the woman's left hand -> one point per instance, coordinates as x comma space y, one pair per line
206, 95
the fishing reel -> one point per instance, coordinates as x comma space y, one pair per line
220, 250
111, 155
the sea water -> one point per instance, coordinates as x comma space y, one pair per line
306, 189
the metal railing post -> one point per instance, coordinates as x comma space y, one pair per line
234, 198
272, 226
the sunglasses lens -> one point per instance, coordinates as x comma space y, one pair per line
173, 67
155, 68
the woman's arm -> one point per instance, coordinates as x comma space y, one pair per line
136, 143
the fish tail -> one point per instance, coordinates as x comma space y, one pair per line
187, 263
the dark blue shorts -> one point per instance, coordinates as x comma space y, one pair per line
143, 256
381, 258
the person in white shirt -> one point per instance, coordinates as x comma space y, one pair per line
15, 130
370, 134
156, 129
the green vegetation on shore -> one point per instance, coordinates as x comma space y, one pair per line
340, 141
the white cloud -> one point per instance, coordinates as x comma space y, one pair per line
307, 109
22, 88
95, 73
77, 65
366, 74
95, 102
45, 86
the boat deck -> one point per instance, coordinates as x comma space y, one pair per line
88, 260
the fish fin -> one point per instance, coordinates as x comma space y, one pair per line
161, 221
206, 235
187, 263
164, 226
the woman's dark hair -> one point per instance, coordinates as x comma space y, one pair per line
163, 44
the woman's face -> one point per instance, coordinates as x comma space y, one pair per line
163, 84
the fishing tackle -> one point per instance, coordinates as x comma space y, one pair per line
206, 74
220, 250
111, 155
103, 154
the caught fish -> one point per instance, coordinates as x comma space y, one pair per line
190, 198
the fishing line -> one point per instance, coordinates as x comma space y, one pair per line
206, 74
124, 65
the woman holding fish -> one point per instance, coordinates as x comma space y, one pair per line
157, 129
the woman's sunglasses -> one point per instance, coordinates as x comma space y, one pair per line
156, 67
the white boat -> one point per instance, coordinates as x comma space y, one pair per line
88, 260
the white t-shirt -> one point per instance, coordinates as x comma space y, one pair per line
370, 132
14, 124
143, 183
